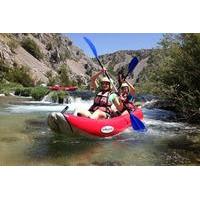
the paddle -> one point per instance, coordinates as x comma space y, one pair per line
136, 123
131, 67
65, 109
93, 48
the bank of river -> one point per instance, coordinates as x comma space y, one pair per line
25, 139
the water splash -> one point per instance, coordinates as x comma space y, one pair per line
40, 106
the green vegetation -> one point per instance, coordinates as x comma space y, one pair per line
3, 70
26, 92
39, 92
7, 88
20, 75
111, 71
61, 96
32, 48
58, 96
53, 79
13, 44
174, 72
54, 96
15, 74
64, 75
65, 55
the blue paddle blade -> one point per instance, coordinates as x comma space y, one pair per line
91, 46
132, 65
137, 124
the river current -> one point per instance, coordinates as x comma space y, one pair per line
26, 139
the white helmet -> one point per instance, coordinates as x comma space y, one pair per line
125, 85
105, 79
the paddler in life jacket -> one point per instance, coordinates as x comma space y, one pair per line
126, 95
101, 108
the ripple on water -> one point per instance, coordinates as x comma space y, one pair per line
26, 139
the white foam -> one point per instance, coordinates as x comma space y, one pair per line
36, 106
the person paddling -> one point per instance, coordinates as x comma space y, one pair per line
105, 98
126, 96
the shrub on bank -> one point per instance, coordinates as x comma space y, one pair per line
59, 96
20, 75
24, 91
39, 92
54, 97
7, 88
32, 48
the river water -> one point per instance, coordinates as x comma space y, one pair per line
25, 139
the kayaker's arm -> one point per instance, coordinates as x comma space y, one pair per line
117, 102
93, 84
132, 89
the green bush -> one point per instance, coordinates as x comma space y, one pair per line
20, 75
26, 92
61, 95
9, 87
58, 96
64, 75
4, 68
39, 92
52, 79
174, 72
54, 97
18, 91
32, 48
13, 44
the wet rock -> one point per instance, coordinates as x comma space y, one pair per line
35, 125
107, 163
34, 122
9, 139
160, 104
174, 158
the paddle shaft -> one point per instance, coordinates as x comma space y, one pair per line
132, 117
66, 108
131, 67
107, 75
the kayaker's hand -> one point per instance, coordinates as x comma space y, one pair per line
103, 70
121, 97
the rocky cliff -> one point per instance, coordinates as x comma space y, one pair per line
120, 59
56, 50
47, 52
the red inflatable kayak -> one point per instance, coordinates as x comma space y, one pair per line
63, 88
70, 124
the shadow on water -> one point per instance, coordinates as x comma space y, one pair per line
49, 148
184, 149
57, 149
52, 148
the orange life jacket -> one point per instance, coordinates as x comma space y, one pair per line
101, 102
128, 105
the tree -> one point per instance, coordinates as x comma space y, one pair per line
64, 75
174, 71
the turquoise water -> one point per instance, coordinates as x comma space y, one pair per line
25, 139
